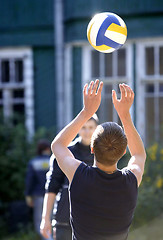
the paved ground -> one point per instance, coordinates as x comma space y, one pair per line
152, 231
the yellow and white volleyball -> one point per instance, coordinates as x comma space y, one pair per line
106, 32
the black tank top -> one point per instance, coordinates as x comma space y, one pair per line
102, 205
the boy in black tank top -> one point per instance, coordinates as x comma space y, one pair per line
102, 198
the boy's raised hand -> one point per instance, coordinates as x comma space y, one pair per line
92, 97
123, 104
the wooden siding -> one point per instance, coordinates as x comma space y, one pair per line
26, 22
76, 80
44, 84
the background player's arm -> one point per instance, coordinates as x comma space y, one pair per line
54, 181
135, 144
46, 227
65, 159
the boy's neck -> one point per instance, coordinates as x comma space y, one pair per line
108, 169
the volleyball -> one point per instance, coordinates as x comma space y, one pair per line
106, 32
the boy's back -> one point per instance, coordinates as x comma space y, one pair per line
102, 204
95, 203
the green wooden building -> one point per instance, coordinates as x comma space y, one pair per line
45, 59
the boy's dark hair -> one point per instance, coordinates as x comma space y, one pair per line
42, 145
109, 143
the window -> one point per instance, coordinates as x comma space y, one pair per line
16, 91
108, 65
11, 73
154, 94
121, 61
95, 57
153, 112
151, 81
111, 68
5, 71
18, 70
149, 60
161, 60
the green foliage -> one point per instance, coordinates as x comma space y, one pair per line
39, 134
150, 204
13, 159
27, 234
15, 152
150, 193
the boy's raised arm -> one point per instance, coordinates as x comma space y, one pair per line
65, 159
135, 144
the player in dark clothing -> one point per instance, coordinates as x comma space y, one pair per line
35, 181
102, 197
57, 181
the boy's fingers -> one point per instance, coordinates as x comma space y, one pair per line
90, 87
85, 89
128, 90
95, 86
114, 96
122, 89
132, 94
100, 88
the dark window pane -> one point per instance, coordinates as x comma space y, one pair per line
18, 108
161, 119
19, 71
105, 111
150, 88
19, 111
1, 110
149, 58
19, 93
121, 54
1, 94
5, 71
95, 64
108, 65
161, 60
108, 89
161, 87
150, 131
108, 109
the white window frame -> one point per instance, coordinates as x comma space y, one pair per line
142, 78
68, 84
86, 70
26, 55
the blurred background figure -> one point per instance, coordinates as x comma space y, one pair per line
57, 182
35, 181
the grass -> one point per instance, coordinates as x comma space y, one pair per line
30, 236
